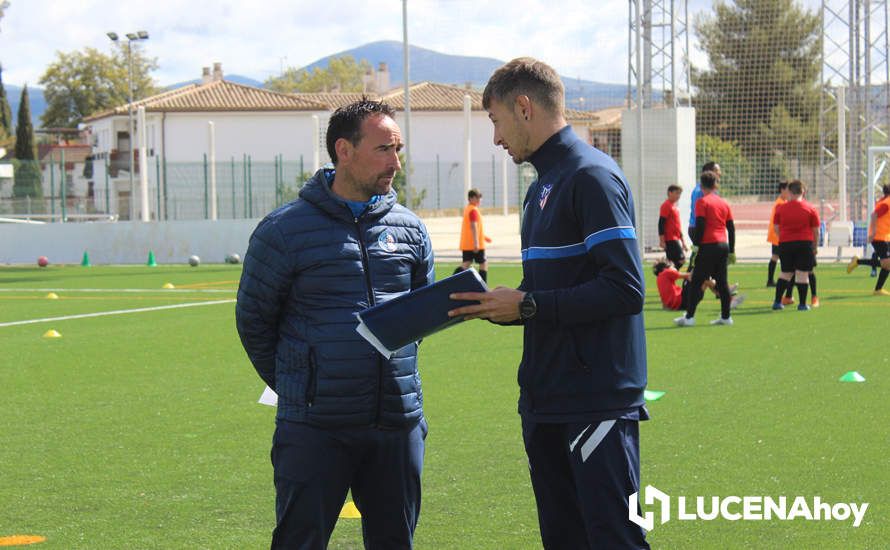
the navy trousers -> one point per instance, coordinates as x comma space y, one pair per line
315, 467
582, 475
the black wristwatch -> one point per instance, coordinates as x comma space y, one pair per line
527, 307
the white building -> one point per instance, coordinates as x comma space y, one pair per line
267, 141
248, 122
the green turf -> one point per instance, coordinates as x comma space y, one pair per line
142, 430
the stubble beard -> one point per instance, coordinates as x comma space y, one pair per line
380, 185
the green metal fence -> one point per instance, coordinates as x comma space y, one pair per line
245, 188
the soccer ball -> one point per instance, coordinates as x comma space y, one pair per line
43, 261
194, 261
233, 258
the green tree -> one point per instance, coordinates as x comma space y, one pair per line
81, 83
762, 88
27, 168
343, 74
25, 147
398, 185
5, 111
738, 172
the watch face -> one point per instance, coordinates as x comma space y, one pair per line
527, 307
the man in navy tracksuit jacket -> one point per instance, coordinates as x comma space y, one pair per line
348, 418
583, 366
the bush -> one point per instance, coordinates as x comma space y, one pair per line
27, 184
738, 171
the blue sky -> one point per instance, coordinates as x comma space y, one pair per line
586, 39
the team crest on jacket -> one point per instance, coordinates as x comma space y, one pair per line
545, 194
387, 241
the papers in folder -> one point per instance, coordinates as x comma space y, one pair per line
398, 322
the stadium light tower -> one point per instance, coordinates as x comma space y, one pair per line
658, 53
131, 131
855, 56
659, 122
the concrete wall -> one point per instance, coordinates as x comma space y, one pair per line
668, 154
125, 242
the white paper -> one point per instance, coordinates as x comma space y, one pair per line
366, 333
269, 397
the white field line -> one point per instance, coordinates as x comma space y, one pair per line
114, 290
116, 312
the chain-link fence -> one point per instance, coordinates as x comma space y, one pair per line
244, 189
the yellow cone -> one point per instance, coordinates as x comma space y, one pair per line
168, 285
52, 296
349, 511
51, 333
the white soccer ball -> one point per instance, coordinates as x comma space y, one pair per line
233, 258
194, 261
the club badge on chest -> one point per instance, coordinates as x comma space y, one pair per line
545, 194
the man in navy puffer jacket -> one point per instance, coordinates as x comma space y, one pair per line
347, 417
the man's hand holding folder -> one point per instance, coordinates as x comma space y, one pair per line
391, 325
500, 305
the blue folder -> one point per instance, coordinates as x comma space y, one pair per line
398, 322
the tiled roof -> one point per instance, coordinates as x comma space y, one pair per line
430, 96
608, 119
575, 115
73, 153
216, 96
425, 96
223, 95
332, 100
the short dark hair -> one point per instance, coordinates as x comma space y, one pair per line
710, 166
473, 193
708, 179
526, 76
783, 185
660, 266
346, 122
796, 187
886, 189
673, 187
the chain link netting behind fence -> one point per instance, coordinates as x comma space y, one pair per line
249, 189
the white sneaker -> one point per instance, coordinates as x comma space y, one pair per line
684, 322
736, 301
722, 321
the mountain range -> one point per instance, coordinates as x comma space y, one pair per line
425, 65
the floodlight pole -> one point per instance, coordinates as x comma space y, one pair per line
407, 85
131, 130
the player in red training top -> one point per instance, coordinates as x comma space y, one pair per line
675, 297
797, 224
715, 237
670, 234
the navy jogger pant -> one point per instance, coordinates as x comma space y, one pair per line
315, 467
582, 475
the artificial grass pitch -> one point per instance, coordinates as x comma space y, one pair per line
141, 430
